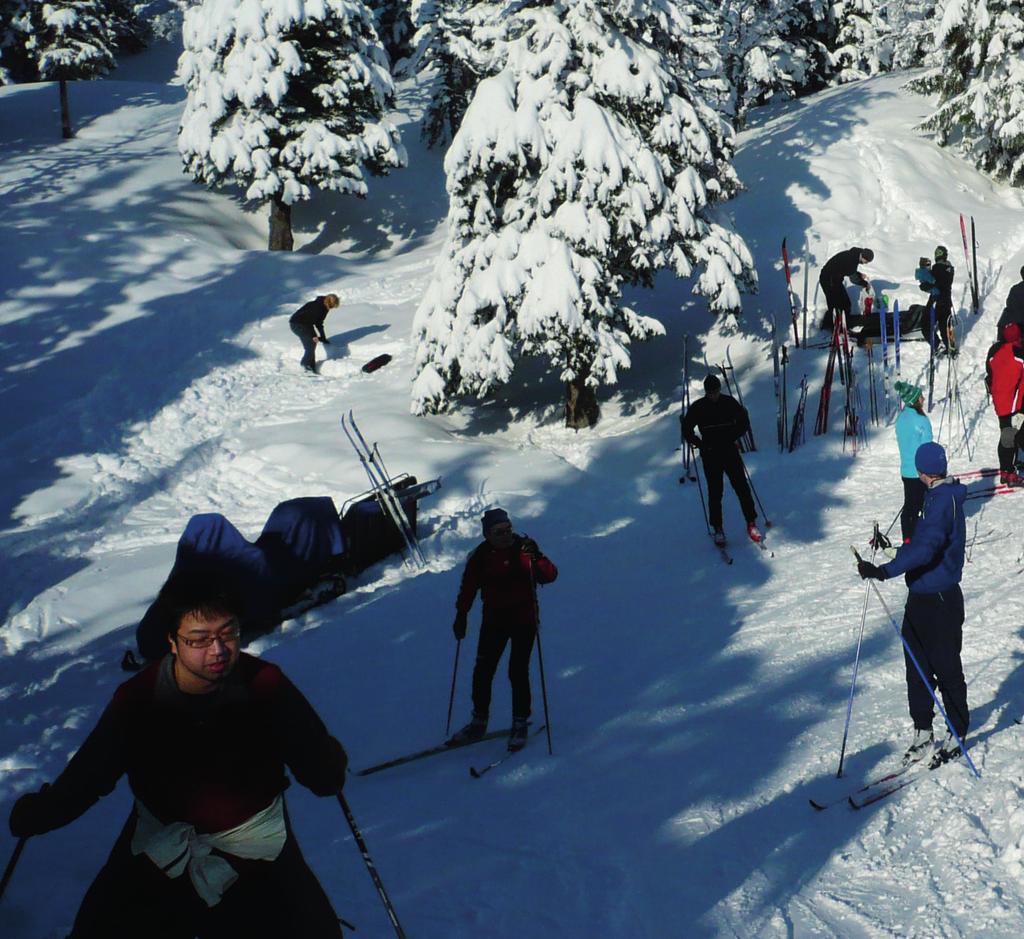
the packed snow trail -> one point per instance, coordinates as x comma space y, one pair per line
149, 373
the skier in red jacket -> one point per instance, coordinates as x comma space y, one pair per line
1004, 378
505, 569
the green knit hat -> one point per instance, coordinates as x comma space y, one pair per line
908, 393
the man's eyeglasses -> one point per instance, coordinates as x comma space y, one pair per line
500, 530
227, 636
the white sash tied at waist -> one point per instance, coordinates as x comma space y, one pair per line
178, 846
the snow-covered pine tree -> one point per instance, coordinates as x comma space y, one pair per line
774, 49
980, 81
128, 31
456, 44
284, 98
12, 41
62, 41
862, 44
583, 166
913, 32
393, 20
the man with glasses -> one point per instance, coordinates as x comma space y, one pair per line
505, 569
204, 736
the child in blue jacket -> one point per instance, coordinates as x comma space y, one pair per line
912, 429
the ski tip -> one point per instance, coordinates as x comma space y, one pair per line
853, 804
473, 772
817, 806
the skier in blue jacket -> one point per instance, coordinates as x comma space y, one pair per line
934, 615
912, 429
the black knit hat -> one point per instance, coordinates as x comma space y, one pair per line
493, 517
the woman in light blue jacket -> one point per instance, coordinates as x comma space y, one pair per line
912, 429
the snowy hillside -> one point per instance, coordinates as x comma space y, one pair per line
149, 373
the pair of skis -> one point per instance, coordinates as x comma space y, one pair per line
780, 361
972, 266
883, 786
444, 748
383, 489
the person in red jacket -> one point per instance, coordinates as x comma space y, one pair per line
505, 569
204, 736
1004, 378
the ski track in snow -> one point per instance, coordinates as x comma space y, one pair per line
696, 707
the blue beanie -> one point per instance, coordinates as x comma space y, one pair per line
493, 517
930, 459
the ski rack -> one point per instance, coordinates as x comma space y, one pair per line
382, 486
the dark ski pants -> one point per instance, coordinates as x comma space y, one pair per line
1015, 441
493, 639
933, 628
729, 462
131, 898
307, 335
913, 502
943, 311
837, 300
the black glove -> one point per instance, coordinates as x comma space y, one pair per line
529, 546
459, 626
29, 816
325, 341
866, 569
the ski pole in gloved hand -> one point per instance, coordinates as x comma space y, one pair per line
917, 665
374, 876
451, 697
856, 660
540, 660
11, 864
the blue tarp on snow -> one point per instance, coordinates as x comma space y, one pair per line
300, 541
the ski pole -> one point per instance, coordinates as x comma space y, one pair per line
750, 482
544, 691
920, 672
856, 661
451, 697
11, 864
700, 489
540, 659
374, 876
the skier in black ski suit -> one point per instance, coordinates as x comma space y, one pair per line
307, 322
1013, 312
722, 420
933, 618
832, 280
204, 736
942, 272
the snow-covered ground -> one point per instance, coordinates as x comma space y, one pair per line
148, 373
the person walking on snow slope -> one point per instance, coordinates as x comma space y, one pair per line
204, 736
1004, 378
1013, 311
505, 570
912, 429
832, 280
307, 322
934, 614
722, 420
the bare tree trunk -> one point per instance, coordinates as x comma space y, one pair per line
280, 225
581, 409
65, 111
